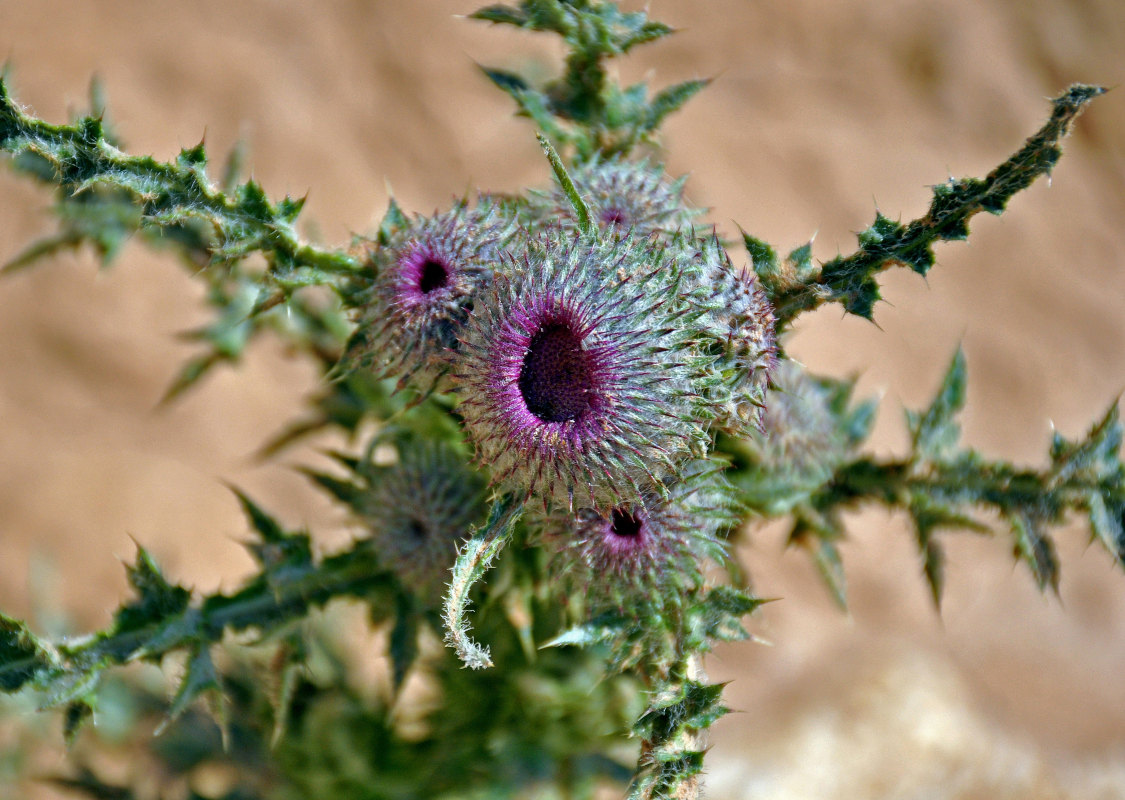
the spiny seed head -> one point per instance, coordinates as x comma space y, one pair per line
427, 277
644, 557
416, 510
623, 197
575, 373
737, 328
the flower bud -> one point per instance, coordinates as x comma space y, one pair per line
427, 277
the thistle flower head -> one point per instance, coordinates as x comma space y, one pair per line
575, 373
801, 429
737, 326
427, 277
416, 510
623, 197
643, 557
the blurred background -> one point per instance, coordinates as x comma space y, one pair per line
820, 113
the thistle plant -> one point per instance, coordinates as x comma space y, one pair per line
563, 408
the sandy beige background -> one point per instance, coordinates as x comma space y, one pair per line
820, 112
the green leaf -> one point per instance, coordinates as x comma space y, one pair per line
800, 262
831, 568
75, 715
669, 100
404, 638
719, 614
510, 82
602, 629
501, 14
200, 677
156, 600
935, 431
1096, 455
1107, 520
581, 212
818, 531
23, 659
1037, 550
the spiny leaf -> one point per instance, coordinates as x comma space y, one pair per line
800, 262
690, 704
762, 257
602, 629
84, 164
1098, 454
668, 100
1107, 521
935, 431
849, 280
200, 677
719, 614
501, 14
75, 716
157, 599
22, 658
510, 82
818, 532
404, 638
831, 568
584, 109
1035, 548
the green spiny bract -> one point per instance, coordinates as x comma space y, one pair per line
577, 373
426, 278
416, 510
736, 328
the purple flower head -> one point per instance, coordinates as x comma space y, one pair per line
416, 510
575, 374
623, 196
427, 278
645, 555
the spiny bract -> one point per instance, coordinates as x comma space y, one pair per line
623, 197
737, 327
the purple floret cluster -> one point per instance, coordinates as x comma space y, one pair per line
590, 369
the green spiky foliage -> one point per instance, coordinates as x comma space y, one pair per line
593, 371
584, 110
796, 285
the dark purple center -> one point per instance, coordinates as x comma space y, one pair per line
615, 217
418, 530
625, 524
433, 275
557, 374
